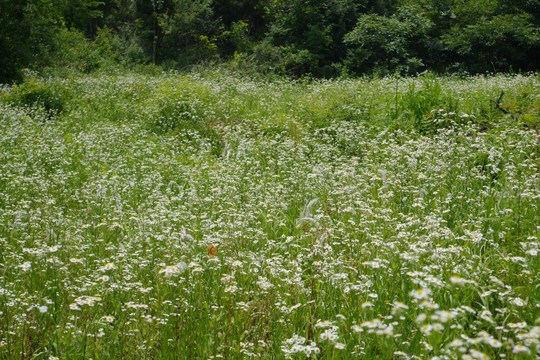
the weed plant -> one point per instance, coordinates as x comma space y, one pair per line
213, 216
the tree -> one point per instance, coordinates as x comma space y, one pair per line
309, 34
26, 30
496, 44
251, 12
387, 44
81, 14
189, 31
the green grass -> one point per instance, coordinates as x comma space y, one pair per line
370, 218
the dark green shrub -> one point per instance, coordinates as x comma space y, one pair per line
496, 44
387, 44
267, 58
236, 39
118, 48
50, 96
309, 34
72, 50
188, 33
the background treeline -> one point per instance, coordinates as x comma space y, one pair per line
322, 38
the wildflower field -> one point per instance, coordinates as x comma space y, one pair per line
207, 216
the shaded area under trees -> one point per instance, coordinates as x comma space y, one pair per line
322, 38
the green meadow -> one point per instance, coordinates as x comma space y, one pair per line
210, 215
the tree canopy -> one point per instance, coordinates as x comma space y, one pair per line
322, 38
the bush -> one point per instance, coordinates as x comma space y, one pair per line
387, 44
267, 58
118, 48
72, 50
236, 40
50, 96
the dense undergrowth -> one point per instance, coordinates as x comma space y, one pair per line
208, 216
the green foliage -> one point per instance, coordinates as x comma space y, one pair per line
189, 32
26, 30
235, 13
72, 50
118, 48
428, 108
236, 39
467, 12
381, 7
387, 44
423, 97
496, 44
51, 96
309, 34
316, 231
82, 14
297, 38
266, 58
181, 111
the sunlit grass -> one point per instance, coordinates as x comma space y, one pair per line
373, 218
